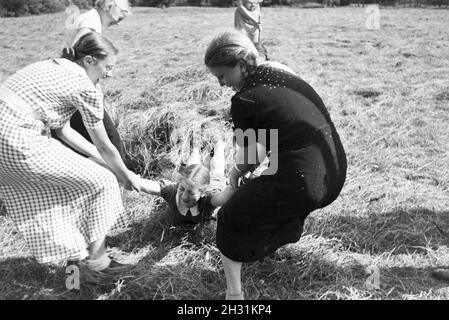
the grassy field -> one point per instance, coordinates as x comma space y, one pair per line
388, 93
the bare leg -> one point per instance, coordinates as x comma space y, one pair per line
97, 249
98, 260
232, 271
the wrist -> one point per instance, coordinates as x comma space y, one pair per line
236, 171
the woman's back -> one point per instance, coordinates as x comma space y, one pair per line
55, 88
307, 139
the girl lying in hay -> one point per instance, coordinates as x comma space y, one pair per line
198, 192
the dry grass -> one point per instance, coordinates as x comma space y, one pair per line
387, 92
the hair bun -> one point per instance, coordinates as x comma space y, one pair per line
69, 53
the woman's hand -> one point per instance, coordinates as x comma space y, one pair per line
234, 178
220, 198
131, 181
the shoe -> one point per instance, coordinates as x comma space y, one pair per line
116, 266
238, 296
441, 274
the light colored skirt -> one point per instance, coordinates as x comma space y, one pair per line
60, 201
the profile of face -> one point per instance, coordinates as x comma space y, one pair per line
117, 12
188, 193
98, 69
229, 76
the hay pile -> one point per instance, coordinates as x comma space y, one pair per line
160, 139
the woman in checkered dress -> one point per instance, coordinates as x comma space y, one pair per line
62, 203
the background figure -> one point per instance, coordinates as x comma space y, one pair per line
105, 14
247, 19
268, 212
198, 192
62, 203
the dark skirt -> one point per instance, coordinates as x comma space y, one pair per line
262, 215
269, 211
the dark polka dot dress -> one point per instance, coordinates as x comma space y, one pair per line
269, 211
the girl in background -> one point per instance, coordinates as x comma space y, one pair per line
247, 19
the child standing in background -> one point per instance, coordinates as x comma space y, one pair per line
247, 19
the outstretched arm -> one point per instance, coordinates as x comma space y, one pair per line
220, 198
111, 156
150, 186
77, 141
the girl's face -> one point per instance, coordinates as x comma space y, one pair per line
97, 69
229, 76
188, 193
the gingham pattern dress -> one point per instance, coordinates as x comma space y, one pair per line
60, 201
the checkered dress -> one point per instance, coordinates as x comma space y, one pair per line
60, 201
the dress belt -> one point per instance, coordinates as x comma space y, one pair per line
13, 100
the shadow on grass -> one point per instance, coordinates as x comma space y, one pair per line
26, 279
293, 272
157, 231
400, 231
296, 273
183, 263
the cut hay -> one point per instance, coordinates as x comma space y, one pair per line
160, 140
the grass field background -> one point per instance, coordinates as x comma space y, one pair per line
387, 91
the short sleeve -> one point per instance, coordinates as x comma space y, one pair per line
168, 189
90, 104
90, 20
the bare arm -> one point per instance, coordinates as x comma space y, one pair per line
220, 198
150, 186
77, 141
112, 158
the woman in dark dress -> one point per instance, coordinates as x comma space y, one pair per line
307, 160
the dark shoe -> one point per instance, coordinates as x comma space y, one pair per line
441, 274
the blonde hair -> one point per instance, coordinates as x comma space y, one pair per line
198, 174
230, 48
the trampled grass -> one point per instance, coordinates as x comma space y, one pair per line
387, 92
